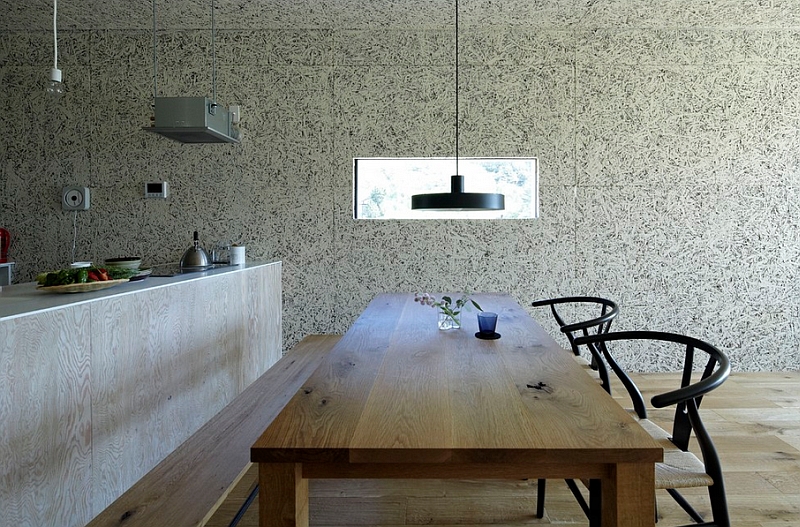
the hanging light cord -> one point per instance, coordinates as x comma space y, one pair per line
74, 234
213, 57
55, 34
457, 173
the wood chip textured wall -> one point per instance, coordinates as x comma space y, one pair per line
667, 138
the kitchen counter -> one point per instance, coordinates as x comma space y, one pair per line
97, 388
23, 299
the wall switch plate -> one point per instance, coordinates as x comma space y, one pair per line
75, 198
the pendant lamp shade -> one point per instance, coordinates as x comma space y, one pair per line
457, 199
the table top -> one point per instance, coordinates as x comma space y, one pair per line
397, 389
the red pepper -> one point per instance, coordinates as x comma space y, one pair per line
93, 276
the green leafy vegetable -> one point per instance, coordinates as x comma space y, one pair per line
116, 273
81, 275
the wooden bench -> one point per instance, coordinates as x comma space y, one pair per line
190, 483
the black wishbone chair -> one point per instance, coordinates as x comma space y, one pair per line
605, 310
680, 468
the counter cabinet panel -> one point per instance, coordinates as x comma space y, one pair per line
98, 393
45, 418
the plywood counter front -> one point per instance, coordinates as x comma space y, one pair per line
97, 388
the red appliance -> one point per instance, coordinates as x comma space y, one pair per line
5, 241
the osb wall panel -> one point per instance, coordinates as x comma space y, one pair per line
666, 138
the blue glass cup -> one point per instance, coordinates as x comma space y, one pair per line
487, 322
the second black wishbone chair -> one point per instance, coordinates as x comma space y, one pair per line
601, 312
700, 375
570, 312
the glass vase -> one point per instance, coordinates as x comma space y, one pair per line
446, 321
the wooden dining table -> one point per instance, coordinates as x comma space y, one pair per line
399, 398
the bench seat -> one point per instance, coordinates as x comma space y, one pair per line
190, 483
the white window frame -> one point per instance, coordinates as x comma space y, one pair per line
425, 175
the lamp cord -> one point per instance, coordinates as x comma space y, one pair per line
213, 57
55, 34
74, 234
457, 173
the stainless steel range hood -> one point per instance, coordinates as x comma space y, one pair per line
195, 120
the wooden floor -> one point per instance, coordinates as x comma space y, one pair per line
754, 419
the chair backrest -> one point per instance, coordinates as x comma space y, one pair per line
696, 380
606, 311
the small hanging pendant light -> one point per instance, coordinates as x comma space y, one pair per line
55, 86
457, 199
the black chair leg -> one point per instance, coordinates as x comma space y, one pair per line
656, 507
244, 507
592, 509
579, 498
595, 503
540, 488
680, 500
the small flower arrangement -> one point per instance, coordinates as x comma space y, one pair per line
449, 315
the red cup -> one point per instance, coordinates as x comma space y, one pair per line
5, 241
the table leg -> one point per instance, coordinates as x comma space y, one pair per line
282, 495
628, 496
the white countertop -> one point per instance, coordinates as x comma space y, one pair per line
24, 299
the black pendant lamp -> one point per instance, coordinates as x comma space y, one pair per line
457, 199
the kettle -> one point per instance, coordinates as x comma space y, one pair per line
195, 256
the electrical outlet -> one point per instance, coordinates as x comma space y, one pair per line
75, 198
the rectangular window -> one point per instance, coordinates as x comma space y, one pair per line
382, 187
